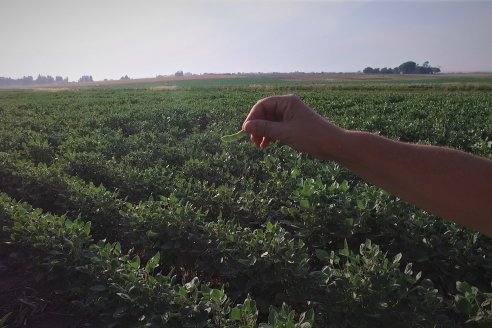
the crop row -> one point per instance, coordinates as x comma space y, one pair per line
115, 288
266, 262
321, 214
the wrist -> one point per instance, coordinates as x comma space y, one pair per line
337, 145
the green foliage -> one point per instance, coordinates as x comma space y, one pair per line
131, 206
113, 287
475, 304
368, 288
245, 314
286, 318
39, 151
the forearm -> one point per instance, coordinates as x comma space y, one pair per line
448, 183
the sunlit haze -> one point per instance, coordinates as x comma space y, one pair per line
109, 39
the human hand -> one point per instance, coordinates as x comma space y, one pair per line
288, 120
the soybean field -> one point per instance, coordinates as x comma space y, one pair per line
123, 207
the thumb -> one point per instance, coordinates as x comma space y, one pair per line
263, 128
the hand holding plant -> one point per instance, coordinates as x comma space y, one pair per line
288, 120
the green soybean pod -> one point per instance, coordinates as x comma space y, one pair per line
234, 137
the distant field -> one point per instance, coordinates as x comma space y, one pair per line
122, 207
478, 81
328, 81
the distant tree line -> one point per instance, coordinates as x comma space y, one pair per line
86, 78
40, 80
408, 67
29, 80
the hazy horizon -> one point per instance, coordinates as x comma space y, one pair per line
111, 39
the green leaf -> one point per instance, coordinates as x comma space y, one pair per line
272, 316
234, 137
463, 287
153, 263
304, 203
345, 251
249, 306
152, 234
310, 316
344, 186
322, 255
236, 314
135, 264
216, 295
87, 227
290, 317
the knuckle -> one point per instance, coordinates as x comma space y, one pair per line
293, 97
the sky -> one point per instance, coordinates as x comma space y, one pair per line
113, 38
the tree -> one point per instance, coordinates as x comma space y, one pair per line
179, 73
29, 80
386, 70
86, 78
408, 67
40, 79
26, 80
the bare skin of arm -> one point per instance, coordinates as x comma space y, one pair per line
449, 183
